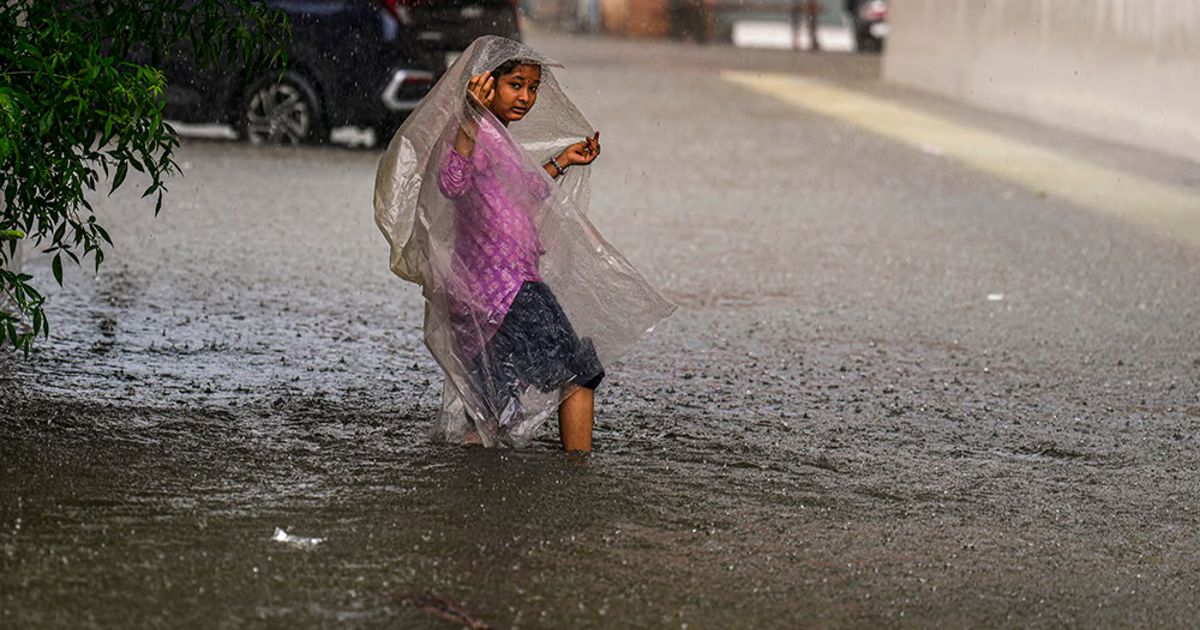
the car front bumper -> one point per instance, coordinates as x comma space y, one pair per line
406, 88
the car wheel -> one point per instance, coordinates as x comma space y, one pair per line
863, 39
282, 109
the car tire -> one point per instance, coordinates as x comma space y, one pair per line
864, 41
282, 110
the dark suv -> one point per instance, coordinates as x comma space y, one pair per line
351, 62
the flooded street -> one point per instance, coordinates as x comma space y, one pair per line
898, 392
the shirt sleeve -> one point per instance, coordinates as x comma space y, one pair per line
454, 178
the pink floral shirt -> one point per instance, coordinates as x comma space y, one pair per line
496, 247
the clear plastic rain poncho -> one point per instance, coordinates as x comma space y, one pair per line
438, 211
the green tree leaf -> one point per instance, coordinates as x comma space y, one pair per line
119, 178
75, 102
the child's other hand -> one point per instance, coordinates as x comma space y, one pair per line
584, 152
482, 89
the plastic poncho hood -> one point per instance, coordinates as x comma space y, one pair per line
438, 234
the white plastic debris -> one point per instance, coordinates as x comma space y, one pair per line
995, 297
301, 541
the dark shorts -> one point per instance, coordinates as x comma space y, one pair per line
534, 346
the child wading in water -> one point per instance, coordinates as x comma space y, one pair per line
497, 246
523, 297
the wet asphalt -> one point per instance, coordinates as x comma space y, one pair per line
838, 428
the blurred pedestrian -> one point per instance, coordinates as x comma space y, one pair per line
588, 17
812, 16
688, 19
482, 201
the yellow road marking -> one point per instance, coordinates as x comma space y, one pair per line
1167, 210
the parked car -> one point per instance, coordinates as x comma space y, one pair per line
449, 26
868, 18
365, 63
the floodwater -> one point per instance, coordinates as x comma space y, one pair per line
840, 427
172, 525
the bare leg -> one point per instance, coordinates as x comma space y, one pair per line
575, 420
813, 11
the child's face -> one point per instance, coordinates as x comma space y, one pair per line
516, 92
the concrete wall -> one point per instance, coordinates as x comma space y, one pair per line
1127, 70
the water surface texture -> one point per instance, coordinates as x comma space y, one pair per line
897, 392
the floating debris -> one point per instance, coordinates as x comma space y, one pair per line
300, 541
444, 608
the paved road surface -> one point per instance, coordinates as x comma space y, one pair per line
903, 388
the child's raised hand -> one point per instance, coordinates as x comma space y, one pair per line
482, 89
584, 152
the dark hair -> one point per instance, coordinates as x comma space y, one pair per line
510, 65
